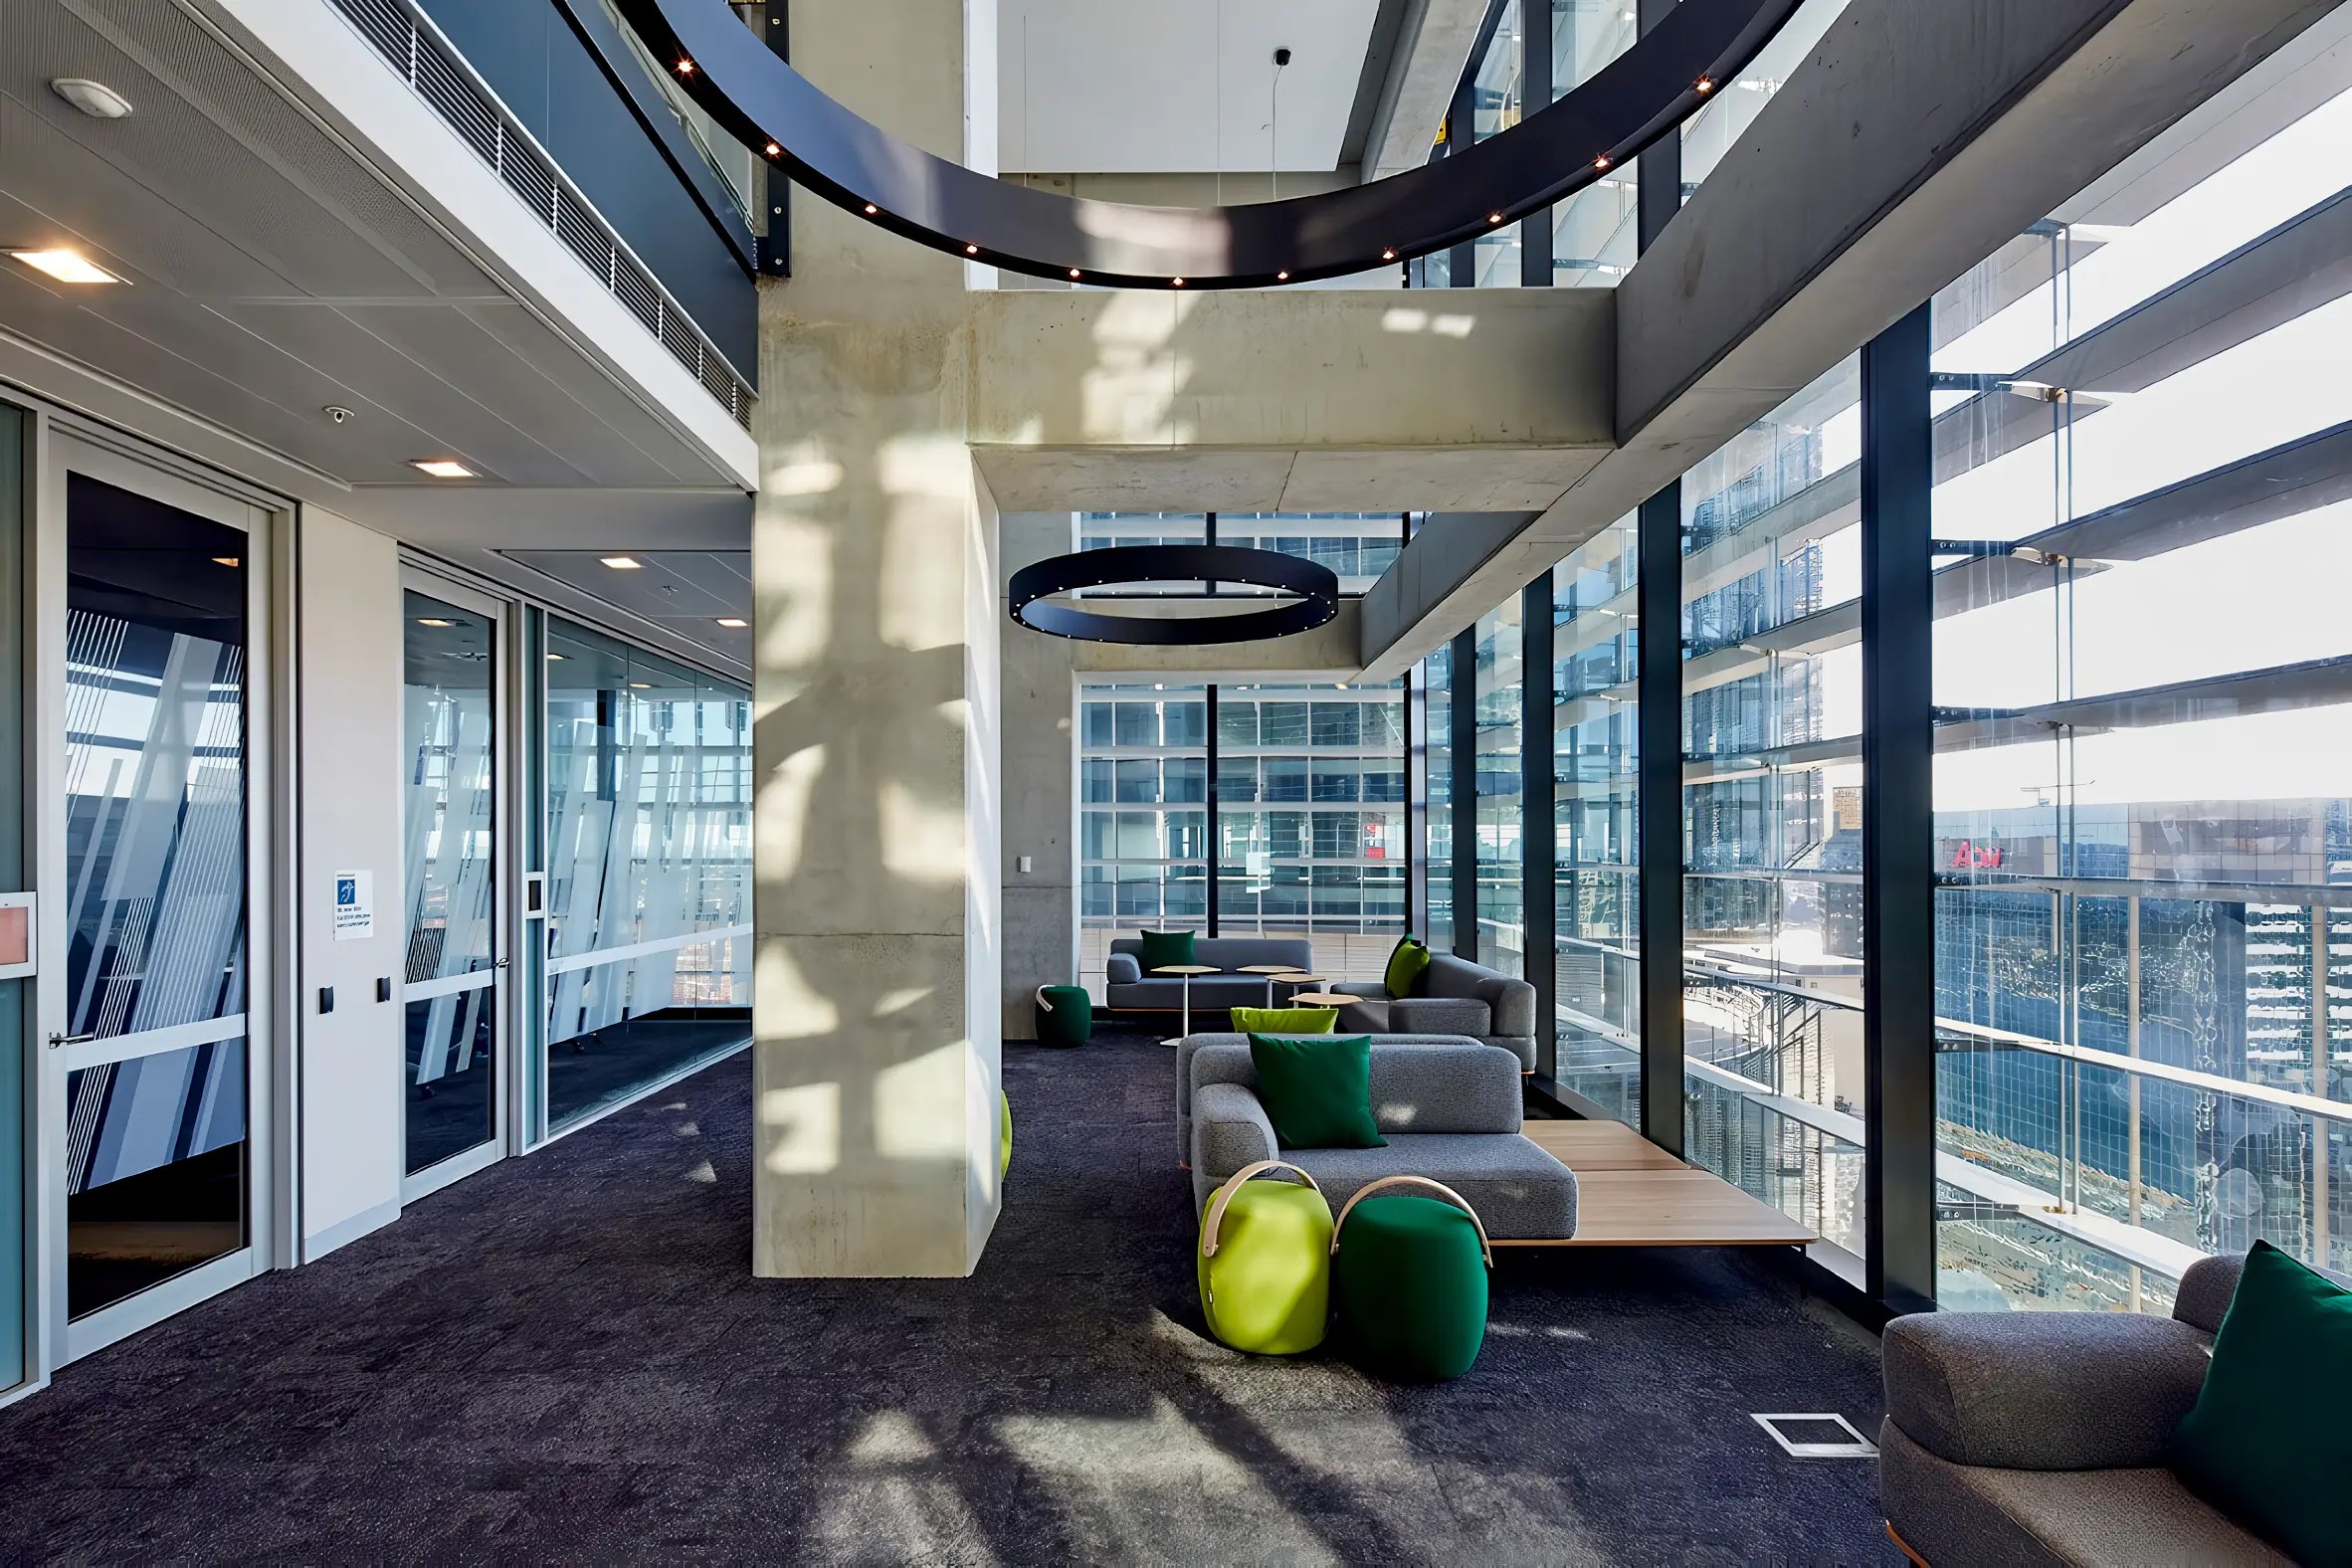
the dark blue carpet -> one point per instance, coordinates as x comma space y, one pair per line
566, 1358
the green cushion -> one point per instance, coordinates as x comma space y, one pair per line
1409, 1281
1162, 948
1064, 1015
1318, 1092
2267, 1442
1406, 963
1285, 1020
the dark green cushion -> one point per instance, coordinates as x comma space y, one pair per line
2268, 1443
1405, 963
1162, 948
1318, 1092
1064, 1015
1409, 1281
1285, 1020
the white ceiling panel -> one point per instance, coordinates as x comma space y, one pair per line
1127, 87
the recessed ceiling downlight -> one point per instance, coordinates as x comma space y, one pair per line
621, 564
95, 99
67, 267
733, 621
442, 467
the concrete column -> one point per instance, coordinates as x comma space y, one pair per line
876, 828
1040, 806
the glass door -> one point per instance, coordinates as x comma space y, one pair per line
454, 991
155, 1073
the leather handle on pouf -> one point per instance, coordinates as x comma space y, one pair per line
1041, 999
1233, 1184
1438, 1187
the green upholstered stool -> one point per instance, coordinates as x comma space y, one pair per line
1409, 1280
1064, 1015
1265, 1262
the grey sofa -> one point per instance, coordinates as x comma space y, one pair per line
1128, 989
2039, 1437
1449, 1107
1453, 996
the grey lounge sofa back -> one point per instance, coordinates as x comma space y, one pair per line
1452, 996
1126, 986
1449, 1107
2039, 1437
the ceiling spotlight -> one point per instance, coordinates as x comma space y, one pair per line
95, 99
338, 414
1602, 162
432, 620
621, 564
971, 249
1282, 277
871, 209
555, 656
774, 151
442, 467
1177, 281
1707, 85
733, 621
1388, 256
67, 267
685, 67
1073, 271
641, 686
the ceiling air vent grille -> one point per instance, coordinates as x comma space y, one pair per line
439, 75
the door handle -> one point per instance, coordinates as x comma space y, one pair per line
504, 962
56, 1040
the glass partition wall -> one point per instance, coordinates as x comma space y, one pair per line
648, 928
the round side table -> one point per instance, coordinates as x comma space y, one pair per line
1271, 971
1187, 971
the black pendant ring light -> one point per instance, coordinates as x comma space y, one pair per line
1316, 585
1639, 98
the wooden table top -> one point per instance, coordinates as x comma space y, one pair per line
1632, 1193
1292, 976
1323, 999
1187, 970
1264, 969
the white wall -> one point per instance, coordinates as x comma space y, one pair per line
348, 797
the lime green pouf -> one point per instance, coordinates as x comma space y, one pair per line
1064, 1015
1004, 1136
1264, 1262
1409, 1280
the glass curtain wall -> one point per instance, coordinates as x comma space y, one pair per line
1597, 962
649, 869
1437, 844
450, 720
1143, 814
1499, 808
1357, 547
2143, 784
14, 994
1772, 809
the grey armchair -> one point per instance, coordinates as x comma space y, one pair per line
2039, 1437
1452, 996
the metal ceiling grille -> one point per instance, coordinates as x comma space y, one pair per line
437, 74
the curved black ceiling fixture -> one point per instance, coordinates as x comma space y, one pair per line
1635, 99
1316, 585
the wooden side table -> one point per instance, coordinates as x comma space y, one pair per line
1330, 999
1272, 973
1187, 971
1293, 979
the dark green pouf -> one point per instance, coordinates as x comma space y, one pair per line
1064, 1015
1409, 1281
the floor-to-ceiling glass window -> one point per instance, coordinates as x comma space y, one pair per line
1498, 822
1597, 962
649, 869
2143, 782
159, 1169
1143, 814
1357, 547
450, 840
1310, 816
1436, 679
1772, 809
16, 927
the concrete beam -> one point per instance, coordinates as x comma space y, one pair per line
1913, 143
1308, 400
1433, 46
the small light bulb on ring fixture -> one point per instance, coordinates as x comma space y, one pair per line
1388, 256
871, 209
1176, 282
773, 149
971, 249
1601, 162
1282, 277
1073, 271
1707, 85
1494, 217
685, 67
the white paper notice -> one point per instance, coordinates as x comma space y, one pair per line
355, 905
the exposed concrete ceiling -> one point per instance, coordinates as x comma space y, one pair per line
275, 268
1135, 87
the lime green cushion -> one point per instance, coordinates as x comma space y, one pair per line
1163, 948
1410, 1283
2267, 1442
1268, 1288
1285, 1020
1406, 963
1318, 1092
